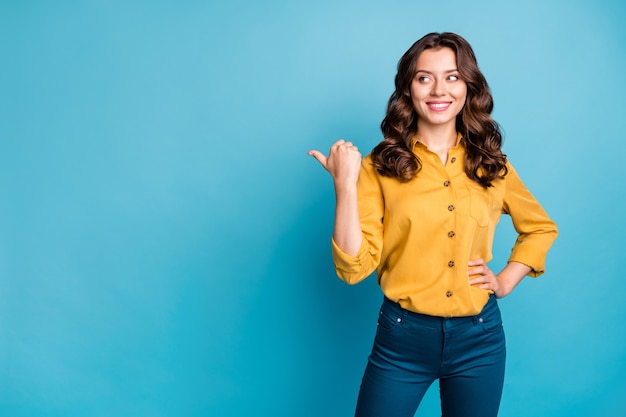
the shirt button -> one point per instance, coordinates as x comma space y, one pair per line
453, 159
450, 207
451, 264
446, 183
451, 233
448, 293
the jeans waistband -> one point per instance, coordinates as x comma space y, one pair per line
395, 308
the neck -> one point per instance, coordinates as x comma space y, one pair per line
438, 138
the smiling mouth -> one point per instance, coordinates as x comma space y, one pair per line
439, 106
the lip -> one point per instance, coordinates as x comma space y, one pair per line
439, 106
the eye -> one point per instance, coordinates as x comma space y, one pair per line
454, 78
423, 79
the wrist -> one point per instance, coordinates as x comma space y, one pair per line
503, 287
345, 187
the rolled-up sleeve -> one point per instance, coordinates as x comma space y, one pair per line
536, 231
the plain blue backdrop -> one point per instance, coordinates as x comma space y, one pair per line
165, 239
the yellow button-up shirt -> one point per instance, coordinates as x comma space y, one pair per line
420, 235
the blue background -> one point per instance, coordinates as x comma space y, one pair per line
165, 239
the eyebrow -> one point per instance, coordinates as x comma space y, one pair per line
430, 72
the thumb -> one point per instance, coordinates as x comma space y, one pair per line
319, 156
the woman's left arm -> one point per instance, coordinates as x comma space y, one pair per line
536, 233
501, 284
536, 230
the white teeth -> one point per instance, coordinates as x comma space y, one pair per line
439, 105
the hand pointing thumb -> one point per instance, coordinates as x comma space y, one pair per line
321, 158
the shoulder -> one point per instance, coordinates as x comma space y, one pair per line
370, 175
367, 164
511, 172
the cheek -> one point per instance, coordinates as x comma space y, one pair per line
414, 94
461, 92
418, 91
415, 98
461, 98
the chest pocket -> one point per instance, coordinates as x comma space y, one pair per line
481, 204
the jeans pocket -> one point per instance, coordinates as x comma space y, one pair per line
491, 326
490, 318
387, 321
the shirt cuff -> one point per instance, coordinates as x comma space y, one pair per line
531, 259
348, 263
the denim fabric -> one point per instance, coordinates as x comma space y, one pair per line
411, 351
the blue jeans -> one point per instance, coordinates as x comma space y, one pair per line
411, 351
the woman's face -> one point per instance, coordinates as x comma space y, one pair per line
437, 91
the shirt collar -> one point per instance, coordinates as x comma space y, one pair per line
415, 141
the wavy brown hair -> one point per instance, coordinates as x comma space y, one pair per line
482, 138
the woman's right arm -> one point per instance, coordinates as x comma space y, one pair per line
344, 163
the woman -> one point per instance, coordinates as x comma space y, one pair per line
422, 209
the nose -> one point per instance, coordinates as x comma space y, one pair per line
438, 88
